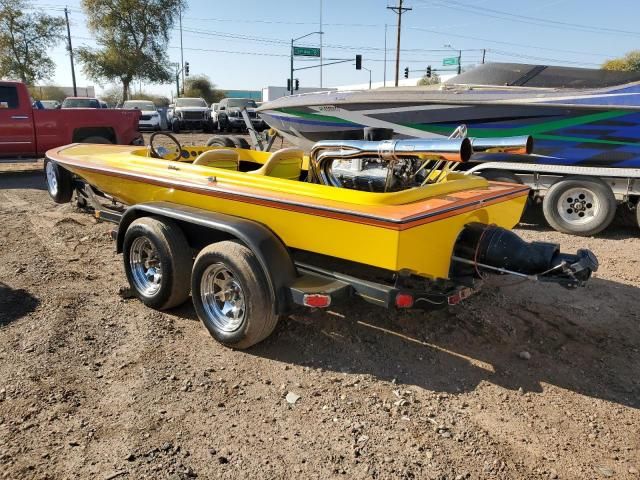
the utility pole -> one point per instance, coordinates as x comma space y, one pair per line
73, 70
459, 62
384, 83
320, 43
291, 73
399, 10
484, 52
181, 52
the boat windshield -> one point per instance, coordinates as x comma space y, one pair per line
190, 102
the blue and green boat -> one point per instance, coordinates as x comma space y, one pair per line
576, 116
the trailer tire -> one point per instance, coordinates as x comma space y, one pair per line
579, 206
59, 182
220, 141
500, 176
638, 213
240, 142
231, 295
155, 239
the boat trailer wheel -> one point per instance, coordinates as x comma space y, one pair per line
222, 297
52, 180
578, 206
146, 269
154, 153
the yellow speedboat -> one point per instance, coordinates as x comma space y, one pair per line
274, 221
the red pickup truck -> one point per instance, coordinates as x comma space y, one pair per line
26, 132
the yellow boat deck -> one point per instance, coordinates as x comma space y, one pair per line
414, 229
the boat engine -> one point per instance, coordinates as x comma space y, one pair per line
391, 165
387, 165
484, 248
375, 175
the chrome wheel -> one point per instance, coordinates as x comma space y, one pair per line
578, 206
52, 181
222, 298
146, 269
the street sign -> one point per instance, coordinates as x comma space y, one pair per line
306, 52
450, 61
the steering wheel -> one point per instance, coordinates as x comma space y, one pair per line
154, 153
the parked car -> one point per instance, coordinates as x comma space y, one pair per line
50, 104
26, 132
81, 102
191, 114
230, 116
149, 116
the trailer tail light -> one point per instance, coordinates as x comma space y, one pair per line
316, 300
404, 300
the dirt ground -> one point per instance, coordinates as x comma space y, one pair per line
522, 381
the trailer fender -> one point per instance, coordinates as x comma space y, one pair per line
272, 254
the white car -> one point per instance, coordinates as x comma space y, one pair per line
190, 114
149, 116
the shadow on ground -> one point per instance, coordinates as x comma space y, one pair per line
33, 180
580, 348
15, 304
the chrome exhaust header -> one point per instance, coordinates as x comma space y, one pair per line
436, 150
516, 145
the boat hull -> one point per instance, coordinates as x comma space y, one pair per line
413, 230
573, 133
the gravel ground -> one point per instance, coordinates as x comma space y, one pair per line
522, 381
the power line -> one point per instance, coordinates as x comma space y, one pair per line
512, 44
282, 22
424, 61
534, 57
501, 15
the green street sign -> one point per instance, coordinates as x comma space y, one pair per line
449, 61
306, 52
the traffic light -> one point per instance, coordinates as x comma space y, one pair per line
186, 69
406, 72
288, 84
429, 71
358, 62
297, 84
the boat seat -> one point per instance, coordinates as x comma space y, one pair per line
219, 158
284, 163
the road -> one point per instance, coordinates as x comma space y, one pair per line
522, 381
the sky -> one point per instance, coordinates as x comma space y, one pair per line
245, 44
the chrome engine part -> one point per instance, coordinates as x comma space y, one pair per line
375, 175
385, 165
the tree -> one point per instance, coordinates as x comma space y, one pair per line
433, 80
133, 36
25, 39
48, 92
629, 63
112, 95
158, 100
201, 86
